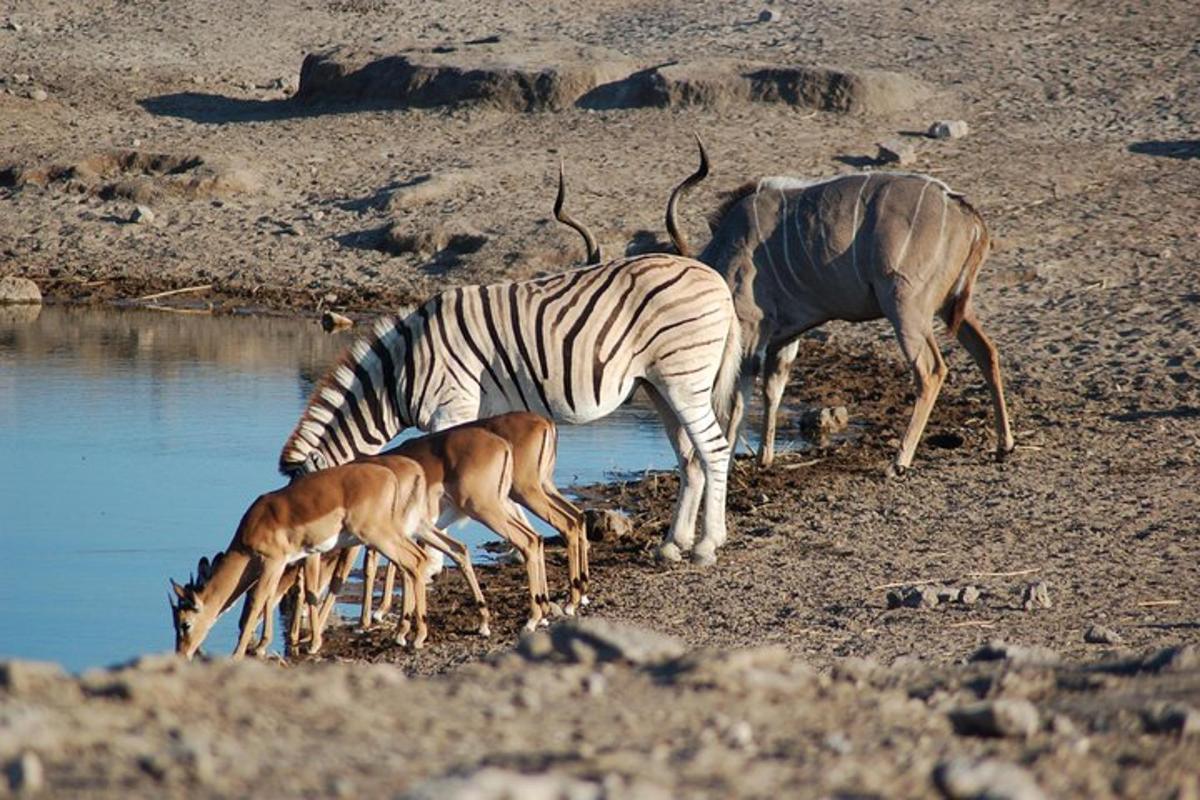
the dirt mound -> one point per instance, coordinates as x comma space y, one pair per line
552, 76
511, 76
138, 176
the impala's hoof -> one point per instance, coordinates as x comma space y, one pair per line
569, 609
530, 625
670, 552
378, 616
1002, 453
485, 631
585, 601
556, 610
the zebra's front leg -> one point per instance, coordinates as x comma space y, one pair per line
682, 533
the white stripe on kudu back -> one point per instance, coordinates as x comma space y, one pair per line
571, 347
871, 251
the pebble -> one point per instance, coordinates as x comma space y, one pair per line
769, 15
1006, 717
968, 595
896, 151
948, 129
142, 215
333, 321
38, 95
20, 78
961, 779
1037, 595
1098, 634
13, 26
26, 775
603, 525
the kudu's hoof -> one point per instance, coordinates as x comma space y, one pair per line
1002, 454
896, 471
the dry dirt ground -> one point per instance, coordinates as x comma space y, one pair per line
1084, 157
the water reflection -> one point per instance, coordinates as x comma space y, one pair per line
130, 444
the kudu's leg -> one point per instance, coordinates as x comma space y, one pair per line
775, 377
461, 556
694, 410
260, 601
682, 533
929, 372
977, 343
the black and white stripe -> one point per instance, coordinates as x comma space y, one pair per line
571, 346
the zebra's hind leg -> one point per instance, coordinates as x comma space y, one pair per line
682, 533
701, 425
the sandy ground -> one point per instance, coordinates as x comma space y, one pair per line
1083, 157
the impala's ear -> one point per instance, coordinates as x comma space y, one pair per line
180, 592
202, 569
216, 562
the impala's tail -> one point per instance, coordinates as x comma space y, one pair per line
961, 294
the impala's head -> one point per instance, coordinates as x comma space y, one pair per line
190, 614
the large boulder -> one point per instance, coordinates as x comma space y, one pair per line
15, 291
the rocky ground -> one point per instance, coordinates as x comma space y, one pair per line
1083, 156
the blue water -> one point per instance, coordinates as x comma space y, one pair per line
132, 441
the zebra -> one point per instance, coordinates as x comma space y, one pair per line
853, 247
571, 346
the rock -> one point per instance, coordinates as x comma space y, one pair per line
1173, 659
512, 76
596, 639
769, 668
821, 422
1036, 595
26, 776
333, 321
12, 25
38, 95
1098, 634
896, 151
428, 189
997, 650
535, 645
142, 215
18, 291
493, 783
1174, 718
948, 129
605, 525
966, 779
968, 595
924, 596
1004, 718
431, 243
20, 78
769, 15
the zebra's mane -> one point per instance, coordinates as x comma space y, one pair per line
309, 429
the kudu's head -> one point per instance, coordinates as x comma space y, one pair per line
191, 615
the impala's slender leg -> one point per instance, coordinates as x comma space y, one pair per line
412, 561
337, 578
548, 504
525, 540
929, 372
311, 578
461, 555
295, 624
682, 534
521, 521
389, 591
977, 343
370, 566
775, 377
260, 599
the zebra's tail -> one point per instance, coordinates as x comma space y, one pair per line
728, 372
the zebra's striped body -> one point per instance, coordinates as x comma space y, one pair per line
854, 247
571, 346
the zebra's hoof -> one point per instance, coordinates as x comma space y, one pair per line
704, 558
670, 551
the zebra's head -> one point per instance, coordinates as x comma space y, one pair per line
357, 407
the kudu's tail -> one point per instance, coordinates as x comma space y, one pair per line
728, 372
961, 295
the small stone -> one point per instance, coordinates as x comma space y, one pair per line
26, 776
1006, 717
13, 26
20, 78
740, 735
612, 641
603, 525
997, 650
769, 15
1036, 595
333, 321
1173, 718
948, 129
142, 215
964, 779
968, 595
594, 684
198, 80
1098, 634
38, 95
14, 291
896, 151
926, 596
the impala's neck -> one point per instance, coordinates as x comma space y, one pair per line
230, 579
